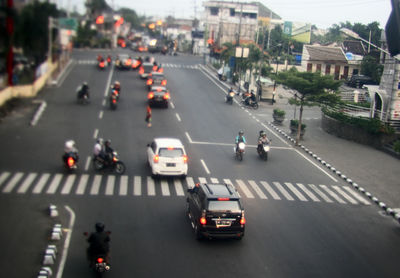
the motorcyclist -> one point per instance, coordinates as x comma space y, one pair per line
240, 138
109, 59
70, 150
83, 90
99, 243
249, 97
98, 150
109, 152
116, 86
99, 57
229, 97
262, 139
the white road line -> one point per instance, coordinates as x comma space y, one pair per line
87, 164
104, 103
257, 190
66, 243
190, 182
179, 118
296, 192
68, 184
214, 180
42, 181
283, 191
13, 182
165, 188
4, 176
344, 194
137, 185
308, 192
151, 190
205, 166
109, 80
96, 133
320, 168
320, 193
101, 114
123, 185
172, 105
270, 190
202, 180
54, 184
27, 182
188, 137
244, 188
82, 184
356, 195
332, 194
179, 187
96, 185
110, 185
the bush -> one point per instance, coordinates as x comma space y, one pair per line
279, 112
396, 146
295, 123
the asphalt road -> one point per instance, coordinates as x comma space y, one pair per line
301, 221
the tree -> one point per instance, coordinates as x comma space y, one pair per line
312, 89
130, 16
370, 67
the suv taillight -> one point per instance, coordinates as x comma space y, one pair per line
203, 220
185, 159
156, 158
242, 219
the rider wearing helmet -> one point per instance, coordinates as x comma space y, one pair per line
116, 87
83, 90
108, 150
70, 150
262, 139
240, 138
98, 243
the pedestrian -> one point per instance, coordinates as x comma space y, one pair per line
148, 116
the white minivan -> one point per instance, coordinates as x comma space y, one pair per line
167, 157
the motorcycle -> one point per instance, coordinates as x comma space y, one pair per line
102, 64
263, 151
98, 261
114, 99
251, 103
229, 97
70, 160
114, 164
82, 98
239, 150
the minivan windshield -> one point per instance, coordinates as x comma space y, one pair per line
232, 205
169, 152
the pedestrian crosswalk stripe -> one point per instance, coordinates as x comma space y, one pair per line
123, 186
96, 185
347, 197
13, 182
356, 195
68, 184
321, 194
308, 192
112, 185
332, 194
270, 190
244, 188
54, 184
295, 191
283, 191
257, 190
137, 186
27, 183
42, 182
167, 65
82, 184
165, 188
151, 189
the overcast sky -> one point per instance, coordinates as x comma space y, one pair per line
322, 13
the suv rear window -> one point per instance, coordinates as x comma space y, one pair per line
165, 152
232, 205
147, 68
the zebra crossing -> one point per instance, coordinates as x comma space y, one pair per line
166, 65
111, 185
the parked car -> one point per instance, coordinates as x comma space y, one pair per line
158, 95
357, 81
167, 157
215, 211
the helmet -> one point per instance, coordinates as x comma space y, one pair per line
262, 132
117, 83
108, 142
85, 83
241, 132
99, 227
100, 141
70, 144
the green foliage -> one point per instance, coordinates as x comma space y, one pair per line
370, 67
279, 112
373, 126
295, 124
85, 36
396, 146
130, 16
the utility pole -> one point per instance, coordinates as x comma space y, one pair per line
10, 34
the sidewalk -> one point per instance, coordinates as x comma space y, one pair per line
363, 167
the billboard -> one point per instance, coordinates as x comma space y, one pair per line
298, 31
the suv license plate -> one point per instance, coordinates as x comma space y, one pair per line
223, 223
170, 164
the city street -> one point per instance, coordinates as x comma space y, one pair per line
301, 220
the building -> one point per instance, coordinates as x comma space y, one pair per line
230, 21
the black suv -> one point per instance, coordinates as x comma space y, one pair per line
215, 210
